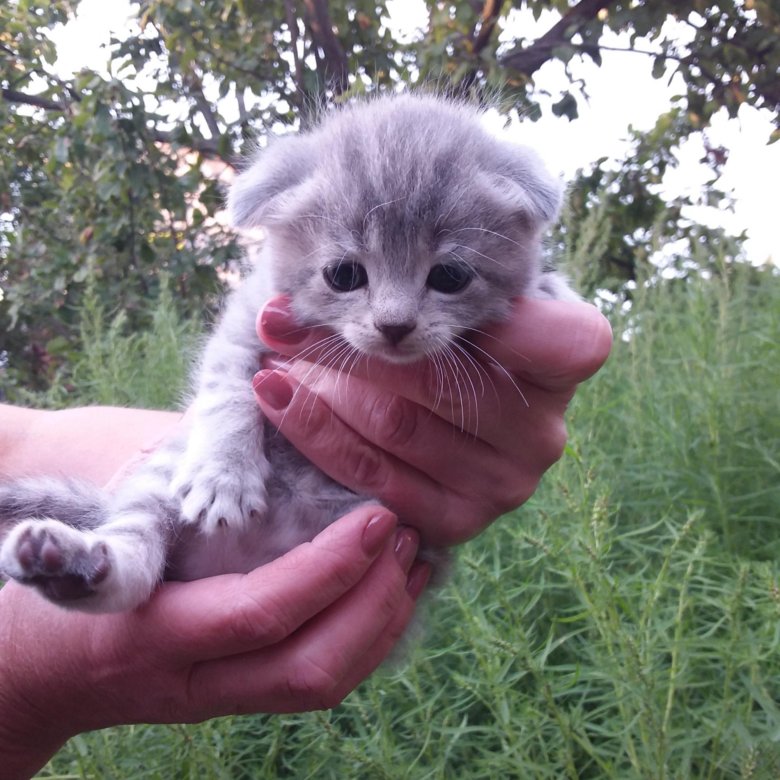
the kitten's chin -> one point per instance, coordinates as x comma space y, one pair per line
395, 355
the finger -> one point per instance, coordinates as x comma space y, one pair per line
555, 344
335, 447
465, 456
307, 671
228, 614
365, 413
446, 483
278, 329
551, 345
388, 639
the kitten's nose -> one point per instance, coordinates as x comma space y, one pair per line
394, 333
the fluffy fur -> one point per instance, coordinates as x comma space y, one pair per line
401, 225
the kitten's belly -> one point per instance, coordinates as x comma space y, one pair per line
196, 555
199, 555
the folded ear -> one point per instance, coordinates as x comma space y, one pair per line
260, 192
521, 182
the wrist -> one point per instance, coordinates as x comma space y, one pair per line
27, 738
21, 760
32, 725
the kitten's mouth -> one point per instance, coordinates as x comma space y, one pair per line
396, 354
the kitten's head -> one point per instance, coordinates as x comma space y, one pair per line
399, 222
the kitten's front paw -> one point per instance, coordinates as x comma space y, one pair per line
212, 498
60, 561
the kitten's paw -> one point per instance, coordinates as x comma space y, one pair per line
63, 563
214, 498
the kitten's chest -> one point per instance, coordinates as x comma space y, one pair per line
302, 501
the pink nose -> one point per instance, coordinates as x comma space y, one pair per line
394, 333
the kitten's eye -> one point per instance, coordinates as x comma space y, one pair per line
449, 277
345, 276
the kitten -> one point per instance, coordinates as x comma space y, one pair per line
400, 224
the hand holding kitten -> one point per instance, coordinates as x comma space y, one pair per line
384, 430
269, 641
549, 346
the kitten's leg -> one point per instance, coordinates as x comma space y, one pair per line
75, 503
221, 479
110, 569
107, 560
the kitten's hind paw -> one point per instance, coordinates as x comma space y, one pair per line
64, 564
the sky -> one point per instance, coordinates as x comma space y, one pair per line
621, 93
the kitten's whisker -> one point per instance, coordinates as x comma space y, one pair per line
325, 218
328, 364
445, 384
334, 347
459, 360
453, 367
491, 232
492, 361
433, 359
443, 217
487, 257
494, 338
348, 360
326, 343
465, 262
447, 357
478, 367
381, 205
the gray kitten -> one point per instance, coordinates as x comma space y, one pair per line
398, 223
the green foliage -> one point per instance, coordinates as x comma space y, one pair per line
623, 624
147, 369
113, 176
116, 364
617, 226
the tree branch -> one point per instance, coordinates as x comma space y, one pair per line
206, 111
13, 96
491, 11
292, 24
321, 27
208, 147
529, 59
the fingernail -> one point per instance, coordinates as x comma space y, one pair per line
270, 361
377, 532
418, 578
277, 321
273, 388
407, 540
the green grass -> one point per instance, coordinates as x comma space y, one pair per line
625, 623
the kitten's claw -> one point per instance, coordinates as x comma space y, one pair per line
215, 499
60, 561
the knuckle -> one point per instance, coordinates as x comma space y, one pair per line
344, 569
250, 622
393, 422
313, 685
365, 463
556, 442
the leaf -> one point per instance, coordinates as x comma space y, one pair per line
61, 149
566, 106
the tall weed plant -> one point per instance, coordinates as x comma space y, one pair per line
625, 623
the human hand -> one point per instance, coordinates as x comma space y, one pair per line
448, 452
296, 634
